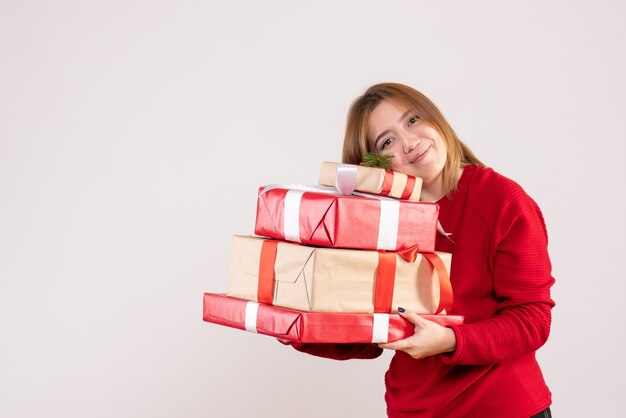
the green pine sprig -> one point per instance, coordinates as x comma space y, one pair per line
372, 159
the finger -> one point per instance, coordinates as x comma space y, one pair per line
412, 317
388, 346
396, 345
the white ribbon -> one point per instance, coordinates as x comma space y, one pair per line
252, 310
303, 187
345, 179
380, 328
320, 189
291, 216
441, 231
444, 233
388, 224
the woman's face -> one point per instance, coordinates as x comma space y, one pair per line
417, 147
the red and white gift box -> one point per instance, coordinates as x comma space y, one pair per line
349, 177
311, 327
313, 215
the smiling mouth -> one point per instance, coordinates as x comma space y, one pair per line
420, 156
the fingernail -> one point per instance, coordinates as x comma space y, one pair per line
400, 309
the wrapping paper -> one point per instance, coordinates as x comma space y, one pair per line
311, 327
328, 220
373, 180
337, 280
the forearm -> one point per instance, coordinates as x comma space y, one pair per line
340, 351
514, 332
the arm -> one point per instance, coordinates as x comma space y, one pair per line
338, 351
521, 280
521, 284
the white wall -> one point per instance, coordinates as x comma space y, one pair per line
133, 136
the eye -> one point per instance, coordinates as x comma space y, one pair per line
386, 143
412, 120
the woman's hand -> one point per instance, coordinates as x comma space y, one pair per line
428, 339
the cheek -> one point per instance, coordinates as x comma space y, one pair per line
442, 152
396, 161
438, 141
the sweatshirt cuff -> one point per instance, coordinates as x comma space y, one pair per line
455, 356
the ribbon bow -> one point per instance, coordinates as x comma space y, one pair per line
386, 274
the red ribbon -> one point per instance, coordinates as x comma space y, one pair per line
387, 183
386, 272
408, 187
445, 287
410, 254
265, 291
385, 278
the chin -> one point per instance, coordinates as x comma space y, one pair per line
405, 170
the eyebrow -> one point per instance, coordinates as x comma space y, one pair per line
386, 131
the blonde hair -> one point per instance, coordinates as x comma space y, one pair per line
355, 143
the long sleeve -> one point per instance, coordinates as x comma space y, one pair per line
521, 272
340, 351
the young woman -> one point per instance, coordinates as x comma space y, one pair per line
501, 272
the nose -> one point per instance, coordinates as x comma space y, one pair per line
409, 142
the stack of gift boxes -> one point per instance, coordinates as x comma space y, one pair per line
332, 263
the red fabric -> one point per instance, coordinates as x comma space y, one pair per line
501, 276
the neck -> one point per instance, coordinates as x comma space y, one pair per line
433, 190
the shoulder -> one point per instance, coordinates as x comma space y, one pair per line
498, 197
490, 187
486, 182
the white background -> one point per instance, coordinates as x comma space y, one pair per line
133, 137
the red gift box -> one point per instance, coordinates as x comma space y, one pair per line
329, 220
311, 327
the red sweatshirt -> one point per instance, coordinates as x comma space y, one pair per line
501, 277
